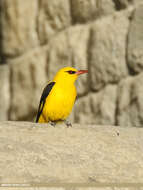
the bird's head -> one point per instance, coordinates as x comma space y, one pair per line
68, 75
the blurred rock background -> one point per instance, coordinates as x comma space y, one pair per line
37, 37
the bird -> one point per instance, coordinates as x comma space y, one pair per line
58, 97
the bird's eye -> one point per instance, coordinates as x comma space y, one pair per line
71, 72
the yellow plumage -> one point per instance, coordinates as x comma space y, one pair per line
58, 104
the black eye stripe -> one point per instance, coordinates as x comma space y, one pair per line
71, 72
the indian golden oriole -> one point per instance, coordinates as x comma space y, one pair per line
58, 97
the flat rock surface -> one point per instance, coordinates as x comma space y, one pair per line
35, 153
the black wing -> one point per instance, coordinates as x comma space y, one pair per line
45, 93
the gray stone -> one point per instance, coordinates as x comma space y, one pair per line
29, 77
78, 42
84, 11
137, 2
95, 186
97, 108
69, 48
4, 92
107, 54
33, 153
58, 54
130, 102
135, 41
53, 17
122, 4
18, 20
107, 7
126, 3
39, 187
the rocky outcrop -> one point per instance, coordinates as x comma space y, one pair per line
18, 24
28, 75
97, 107
4, 92
38, 38
135, 41
108, 50
52, 16
84, 154
130, 102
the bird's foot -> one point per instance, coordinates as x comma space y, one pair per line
52, 123
68, 124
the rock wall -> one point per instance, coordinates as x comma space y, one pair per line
37, 37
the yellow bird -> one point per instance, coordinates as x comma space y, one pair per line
58, 97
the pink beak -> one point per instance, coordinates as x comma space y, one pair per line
81, 72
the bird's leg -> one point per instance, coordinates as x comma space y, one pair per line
68, 124
52, 123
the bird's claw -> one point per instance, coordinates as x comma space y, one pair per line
68, 124
53, 123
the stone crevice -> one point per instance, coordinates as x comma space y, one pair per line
118, 5
10, 92
37, 20
117, 107
2, 57
71, 12
89, 44
130, 70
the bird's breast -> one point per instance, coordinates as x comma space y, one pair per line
60, 102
